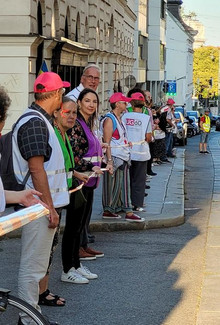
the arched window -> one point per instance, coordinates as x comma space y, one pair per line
111, 34
86, 34
97, 35
77, 32
55, 20
39, 19
40, 48
67, 24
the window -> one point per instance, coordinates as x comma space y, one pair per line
163, 9
162, 56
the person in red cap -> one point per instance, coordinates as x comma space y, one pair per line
139, 130
36, 148
116, 187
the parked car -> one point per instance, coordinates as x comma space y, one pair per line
180, 109
191, 127
214, 119
181, 135
195, 124
193, 113
217, 124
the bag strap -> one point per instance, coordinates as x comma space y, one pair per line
112, 117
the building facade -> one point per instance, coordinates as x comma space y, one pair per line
67, 34
156, 48
179, 54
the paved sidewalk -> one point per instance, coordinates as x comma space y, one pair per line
209, 309
164, 203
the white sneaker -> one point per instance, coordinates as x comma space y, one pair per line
85, 272
73, 276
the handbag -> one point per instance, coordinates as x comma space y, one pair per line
78, 197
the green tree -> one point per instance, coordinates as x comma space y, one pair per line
205, 68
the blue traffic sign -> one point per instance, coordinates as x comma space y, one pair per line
171, 89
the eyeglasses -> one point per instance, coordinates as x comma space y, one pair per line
91, 78
62, 90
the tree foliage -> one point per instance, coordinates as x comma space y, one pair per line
205, 68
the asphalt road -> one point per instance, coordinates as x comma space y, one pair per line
151, 277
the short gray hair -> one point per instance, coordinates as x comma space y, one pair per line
92, 65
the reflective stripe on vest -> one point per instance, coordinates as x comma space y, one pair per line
93, 159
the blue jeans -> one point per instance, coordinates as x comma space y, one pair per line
169, 143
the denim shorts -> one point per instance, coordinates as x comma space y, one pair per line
204, 137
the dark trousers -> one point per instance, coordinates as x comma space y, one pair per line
169, 143
138, 171
75, 223
149, 162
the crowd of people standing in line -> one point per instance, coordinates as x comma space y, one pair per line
135, 134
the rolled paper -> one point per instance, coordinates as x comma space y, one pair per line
22, 217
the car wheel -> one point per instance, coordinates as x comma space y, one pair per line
189, 133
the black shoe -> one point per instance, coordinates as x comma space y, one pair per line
206, 151
91, 239
167, 161
145, 194
201, 152
152, 173
147, 187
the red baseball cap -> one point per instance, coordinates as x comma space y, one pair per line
51, 81
119, 97
138, 96
170, 101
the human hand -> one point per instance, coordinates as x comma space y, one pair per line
27, 198
130, 144
97, 170
53, 219
105, 145
81, 176
109, 167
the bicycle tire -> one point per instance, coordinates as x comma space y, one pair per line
28, 309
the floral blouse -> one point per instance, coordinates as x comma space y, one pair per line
80, 146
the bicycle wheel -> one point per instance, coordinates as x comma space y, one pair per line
23, 306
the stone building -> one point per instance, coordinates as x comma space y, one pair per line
67, 34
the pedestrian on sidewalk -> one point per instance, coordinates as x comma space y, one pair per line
205, 128
138, 126
36, 148
116, 187
88, 157
25, 197
64, 119
90, 79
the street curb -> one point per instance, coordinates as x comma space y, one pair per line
172, 213
174, 199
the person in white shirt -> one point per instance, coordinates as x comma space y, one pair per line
90, 79
26, 197
139, 131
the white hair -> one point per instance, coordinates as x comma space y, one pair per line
92, 65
